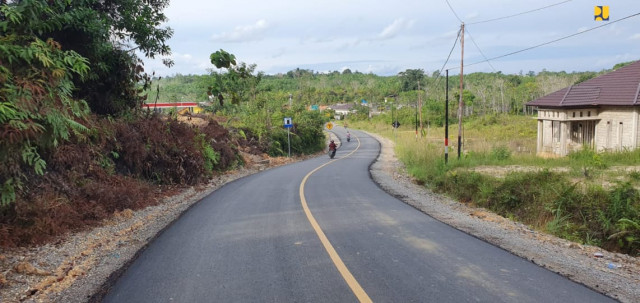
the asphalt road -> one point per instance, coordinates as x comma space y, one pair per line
258, 239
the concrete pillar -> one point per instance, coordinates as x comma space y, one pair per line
634, 129
564, 131
539, 146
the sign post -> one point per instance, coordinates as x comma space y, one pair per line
288, 124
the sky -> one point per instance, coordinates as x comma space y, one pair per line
388, 37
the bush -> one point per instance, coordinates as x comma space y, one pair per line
500, 153
110, 169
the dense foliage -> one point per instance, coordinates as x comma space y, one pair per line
37, 107
119, 164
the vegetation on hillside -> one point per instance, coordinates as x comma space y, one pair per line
75, 146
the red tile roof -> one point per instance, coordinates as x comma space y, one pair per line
618, 88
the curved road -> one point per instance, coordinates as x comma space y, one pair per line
258, 239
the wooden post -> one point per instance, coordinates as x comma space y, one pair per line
460, 102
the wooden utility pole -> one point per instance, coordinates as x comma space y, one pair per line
460, 102
446, 121
420, 108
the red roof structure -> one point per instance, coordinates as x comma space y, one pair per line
170, 105
618, 88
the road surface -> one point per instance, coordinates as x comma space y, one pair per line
322, 231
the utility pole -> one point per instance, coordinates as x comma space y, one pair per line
460, 102
417, 105
446, 122
420, 105
395, 119
290, 95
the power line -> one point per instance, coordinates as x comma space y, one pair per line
445, 62
454, 12
474, 41
518, 14
556, 40
483, 56
450, 52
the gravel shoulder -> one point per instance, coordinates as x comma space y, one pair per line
77, 267
574, 261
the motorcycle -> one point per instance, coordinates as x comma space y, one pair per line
332, 153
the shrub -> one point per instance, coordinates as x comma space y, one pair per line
500, 153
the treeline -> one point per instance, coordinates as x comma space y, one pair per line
484, 93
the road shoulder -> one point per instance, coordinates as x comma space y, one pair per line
574, 261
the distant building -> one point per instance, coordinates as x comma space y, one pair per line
192, 107
342, 109
602, 113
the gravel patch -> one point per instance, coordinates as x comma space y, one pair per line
77, 267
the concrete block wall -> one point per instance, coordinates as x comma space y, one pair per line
617, 129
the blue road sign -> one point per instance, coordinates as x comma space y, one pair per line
288, 123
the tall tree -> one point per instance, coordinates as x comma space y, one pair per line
409, 79
107, 33
238, 82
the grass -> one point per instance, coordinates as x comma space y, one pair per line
586, 197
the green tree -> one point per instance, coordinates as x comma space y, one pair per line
238, 82
107, 33
409, 79
37, 109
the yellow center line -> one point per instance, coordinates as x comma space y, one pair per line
337, 261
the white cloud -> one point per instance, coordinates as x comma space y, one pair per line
243, 33
374, 37
395, 28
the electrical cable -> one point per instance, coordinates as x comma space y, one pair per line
454, 12
518, 14
474, 41
549, 42
482, 53
450, 52
448, 57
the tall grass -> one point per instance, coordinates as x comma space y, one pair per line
563, 196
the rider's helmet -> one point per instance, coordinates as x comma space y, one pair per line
331, 141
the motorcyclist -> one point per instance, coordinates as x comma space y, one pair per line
348, 137
332, 149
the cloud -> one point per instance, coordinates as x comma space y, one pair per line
395, 28
244, 33
635, 37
